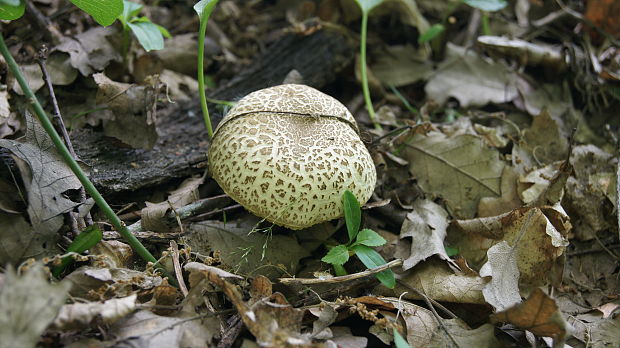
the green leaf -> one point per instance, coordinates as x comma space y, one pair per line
352, 214
84, 241
204, 8
369, 238
130, 10
399, 341
431, 33
11, 9
103, 12
163, 31
147, 34
450, 251
339, 270
337, 255
371, 259
368, 5
487, 5
10, 2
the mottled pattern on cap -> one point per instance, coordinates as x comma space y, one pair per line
289, 168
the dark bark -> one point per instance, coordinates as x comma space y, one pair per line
182, 146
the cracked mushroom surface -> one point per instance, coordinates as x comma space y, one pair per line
287, 154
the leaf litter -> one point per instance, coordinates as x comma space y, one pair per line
490, 200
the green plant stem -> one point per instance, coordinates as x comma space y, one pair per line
365, 88
201, 76
486, 29
64, 152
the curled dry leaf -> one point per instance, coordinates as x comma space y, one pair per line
538, 314
272, 320
134, 108
82, 315
427, 226
538, 245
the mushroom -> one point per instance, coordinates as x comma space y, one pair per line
287, 154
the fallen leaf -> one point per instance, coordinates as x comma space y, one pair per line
146, 329
247, 253
134, 108
427, 226
440, 283
460, 335
461, 169
29, 304
90, 51
538, 241
470, 79
503, 289
509, 200
401, 66
82, 315
46, 180
538, 314
153, 215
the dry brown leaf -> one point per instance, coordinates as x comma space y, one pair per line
538, 314
134, 108
463, 336
247, 253
427, 226
29, 304
46, 179
439, 282
539, 240
470, 79
82, 315
154, 214
461, 169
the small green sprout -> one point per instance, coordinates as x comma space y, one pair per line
360, 243
149, 34
366, 6
203, 8
84, 241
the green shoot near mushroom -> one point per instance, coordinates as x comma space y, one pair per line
204, 9
366, 6
360, 243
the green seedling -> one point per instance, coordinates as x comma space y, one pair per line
84, 241
149, 34
360, 244
366, 6
203, 8
431, 33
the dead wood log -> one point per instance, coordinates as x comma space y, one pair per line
182, 146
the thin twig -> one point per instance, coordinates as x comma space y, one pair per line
50, 31
428, 302
59, 125
345, 278
177, 268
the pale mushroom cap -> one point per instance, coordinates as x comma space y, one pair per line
292, 163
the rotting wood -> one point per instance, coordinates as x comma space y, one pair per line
182, 147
